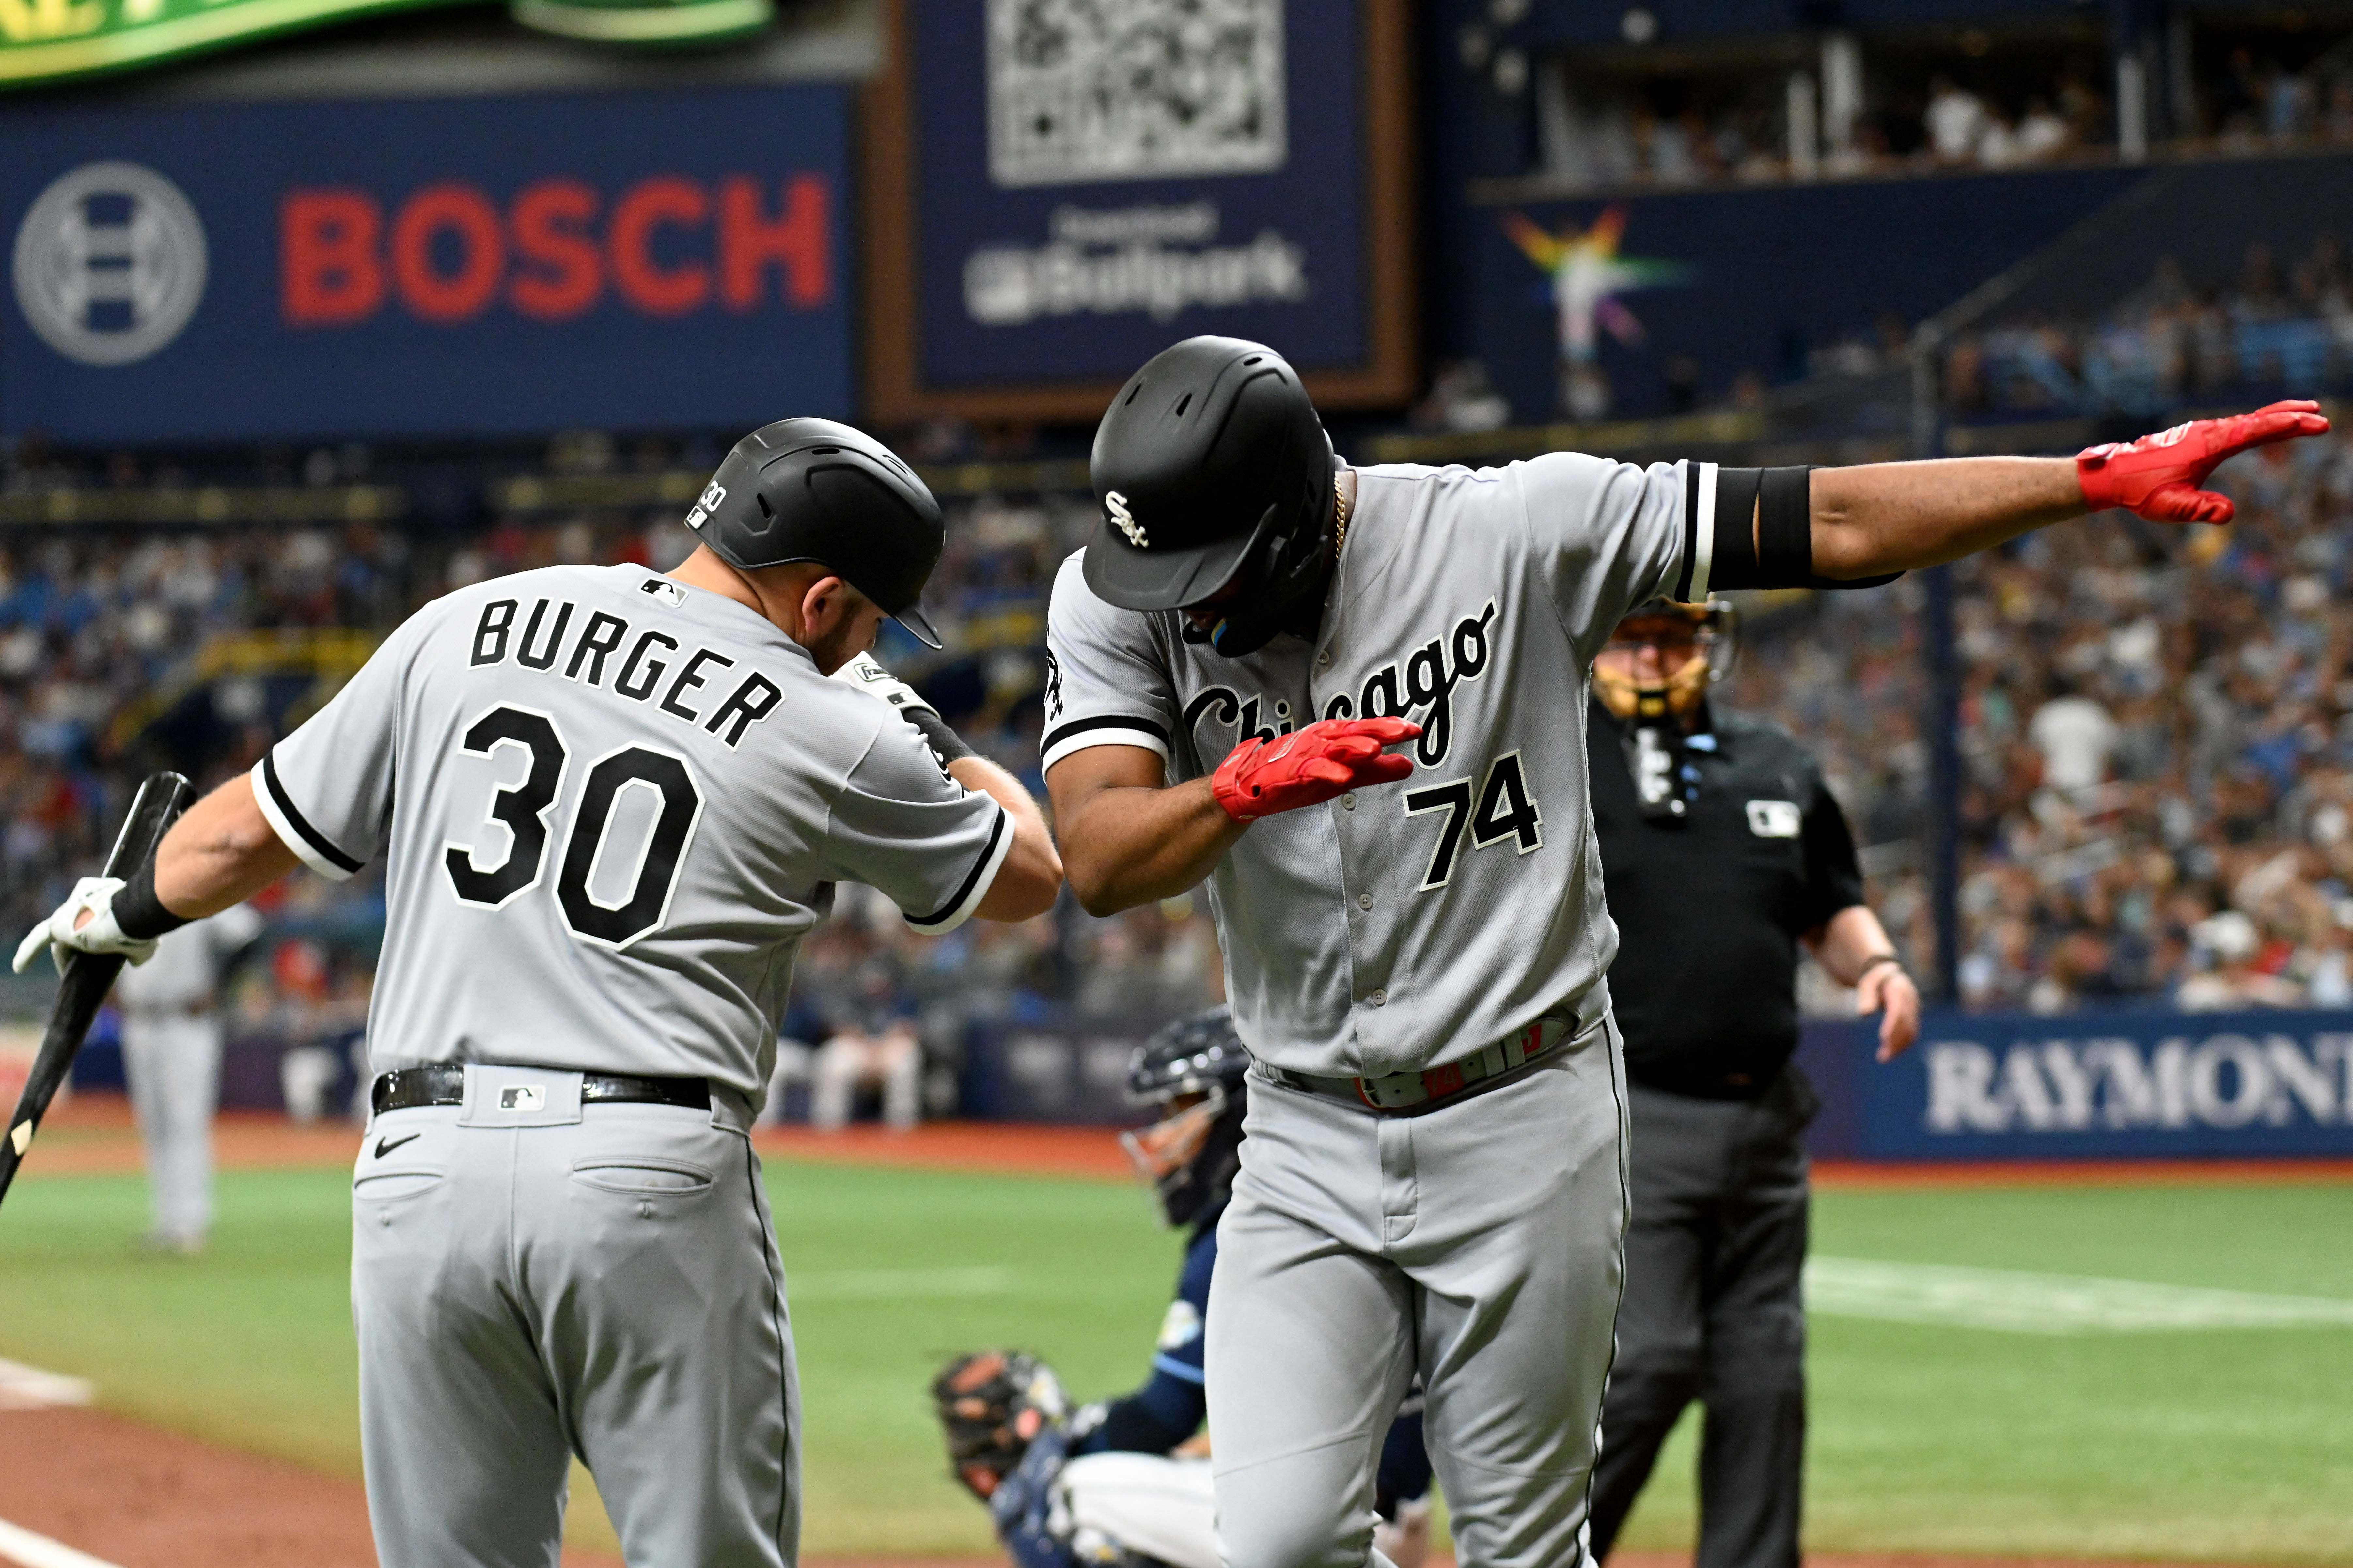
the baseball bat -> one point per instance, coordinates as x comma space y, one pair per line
88, 976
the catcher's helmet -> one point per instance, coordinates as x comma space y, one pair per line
1213, 472
1192, 1156
811, 489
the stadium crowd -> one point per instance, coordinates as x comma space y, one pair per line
2278, 320
1981, 104
2156, 732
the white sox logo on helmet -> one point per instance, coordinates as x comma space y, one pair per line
1125, 520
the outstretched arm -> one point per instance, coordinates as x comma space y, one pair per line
1897, 516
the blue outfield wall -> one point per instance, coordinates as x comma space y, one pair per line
2121, 1085
2124, 1085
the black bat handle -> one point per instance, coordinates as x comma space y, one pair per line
88, 976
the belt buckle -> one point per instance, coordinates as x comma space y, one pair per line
1392, 1092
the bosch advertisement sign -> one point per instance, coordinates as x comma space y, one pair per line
2097, 1085
426, 266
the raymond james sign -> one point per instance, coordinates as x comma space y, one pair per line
1074, 185
2143, 1084
46, 40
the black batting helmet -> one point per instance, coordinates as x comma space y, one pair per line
811, 489
1212, 471
1191, 1156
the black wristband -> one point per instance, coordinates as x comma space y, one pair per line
139, 914
945, 742
1874, 962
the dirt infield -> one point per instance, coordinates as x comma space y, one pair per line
92, 1134
135, 1497
139, 1498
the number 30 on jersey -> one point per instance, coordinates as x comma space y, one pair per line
523, 809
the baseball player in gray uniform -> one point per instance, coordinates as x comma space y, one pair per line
1433, 1171
172, 1058
611, 804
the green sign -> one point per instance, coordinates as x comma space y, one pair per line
48, 40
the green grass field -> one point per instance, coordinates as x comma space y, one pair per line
2228, 1445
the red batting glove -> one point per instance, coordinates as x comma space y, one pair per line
2158, 476
1329, 757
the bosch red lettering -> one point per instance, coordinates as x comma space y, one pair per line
559, 271
799, 240
458, 210
658, 203
668, 246
328, 269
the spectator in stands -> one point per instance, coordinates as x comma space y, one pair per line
2075, 736
1955, 121
2234, 980
873, 1044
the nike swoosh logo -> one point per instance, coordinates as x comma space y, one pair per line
386, 1146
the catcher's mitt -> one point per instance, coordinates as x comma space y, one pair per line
992, 1405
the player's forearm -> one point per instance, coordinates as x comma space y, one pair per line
221, 853
1127, 846
1031, 878
1900, 517
1848, 942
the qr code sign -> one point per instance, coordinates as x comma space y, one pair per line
1133, 89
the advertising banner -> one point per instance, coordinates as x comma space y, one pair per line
1070, 1072
1060, 190
2155, 1085
475, 266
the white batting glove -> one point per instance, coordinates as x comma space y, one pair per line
867, 676
99, 933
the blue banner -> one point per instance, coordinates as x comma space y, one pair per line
639, 261
1086, 198
2104, 1085
1073, 1071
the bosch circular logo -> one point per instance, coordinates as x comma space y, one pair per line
109, 263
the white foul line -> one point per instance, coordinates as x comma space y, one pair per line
21, 1545
25, 1387
2017, 1303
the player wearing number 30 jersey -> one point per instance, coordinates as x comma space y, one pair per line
620, 805
611, 804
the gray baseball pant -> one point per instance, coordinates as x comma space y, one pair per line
173, 1063
1478, 1243
1715, 1260
603, 1280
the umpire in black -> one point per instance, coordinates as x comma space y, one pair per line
1722, 852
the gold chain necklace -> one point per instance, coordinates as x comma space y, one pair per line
1341, 504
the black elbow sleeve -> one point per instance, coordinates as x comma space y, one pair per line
1762, 530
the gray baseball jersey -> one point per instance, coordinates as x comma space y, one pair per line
612, 806
1401, 927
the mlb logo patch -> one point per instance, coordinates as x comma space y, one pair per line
522, 1097
1774, 818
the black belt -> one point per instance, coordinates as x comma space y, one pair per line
444, 1083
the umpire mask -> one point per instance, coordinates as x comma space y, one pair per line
1654, 678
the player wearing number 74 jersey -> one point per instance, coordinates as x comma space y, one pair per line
1432, 1174
611, 804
